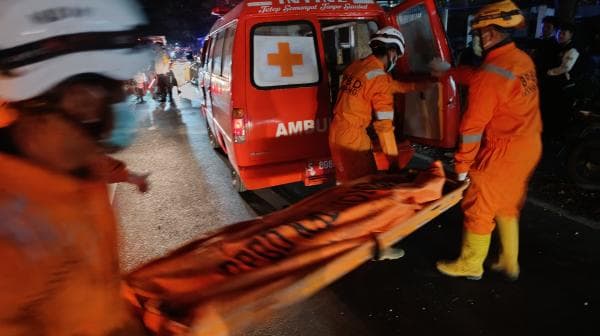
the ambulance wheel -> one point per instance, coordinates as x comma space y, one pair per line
583, 165
236, 182
212, 139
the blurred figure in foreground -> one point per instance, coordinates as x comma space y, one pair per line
62, 87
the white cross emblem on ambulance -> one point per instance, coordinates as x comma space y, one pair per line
284, 60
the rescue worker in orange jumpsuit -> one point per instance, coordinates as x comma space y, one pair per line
500, 144
366, 93
61, 85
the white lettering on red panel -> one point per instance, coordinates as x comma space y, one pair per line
302, 127
288, 6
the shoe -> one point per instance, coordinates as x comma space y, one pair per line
508, 261
391, 254
470, 263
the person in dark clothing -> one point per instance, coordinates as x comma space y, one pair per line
162, 85
171, 82
562, 77
161, 67
545, 56
545, 48
568, 56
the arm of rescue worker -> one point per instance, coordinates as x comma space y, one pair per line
463, 74
568, 61
382, 102
404, 87
483, 99
110, 170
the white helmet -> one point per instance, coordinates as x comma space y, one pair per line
43, 43
389, 36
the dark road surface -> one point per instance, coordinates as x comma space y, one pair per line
558, 292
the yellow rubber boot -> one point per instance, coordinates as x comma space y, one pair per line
508, 263
470, 263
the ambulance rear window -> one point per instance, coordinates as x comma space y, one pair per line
284, 54
421, 47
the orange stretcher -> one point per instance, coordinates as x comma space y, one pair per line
209, 287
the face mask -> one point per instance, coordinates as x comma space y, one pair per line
477, 48
124, 127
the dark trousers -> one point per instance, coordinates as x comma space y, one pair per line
162, 87
170, 92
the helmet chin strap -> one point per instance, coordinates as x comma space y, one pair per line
485, 51
391, 63
504, 42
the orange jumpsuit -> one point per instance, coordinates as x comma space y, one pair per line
500, 137
60, 272
366, 91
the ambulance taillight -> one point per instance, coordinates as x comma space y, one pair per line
239, 126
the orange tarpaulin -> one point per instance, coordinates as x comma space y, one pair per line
225, 280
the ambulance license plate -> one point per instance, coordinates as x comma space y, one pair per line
319, 169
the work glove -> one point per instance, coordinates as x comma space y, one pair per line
387, 141
437, 67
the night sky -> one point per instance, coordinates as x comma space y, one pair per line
185, 21
180, 20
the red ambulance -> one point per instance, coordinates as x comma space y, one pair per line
271, 72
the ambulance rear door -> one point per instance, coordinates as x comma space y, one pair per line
430, 117
286, 97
